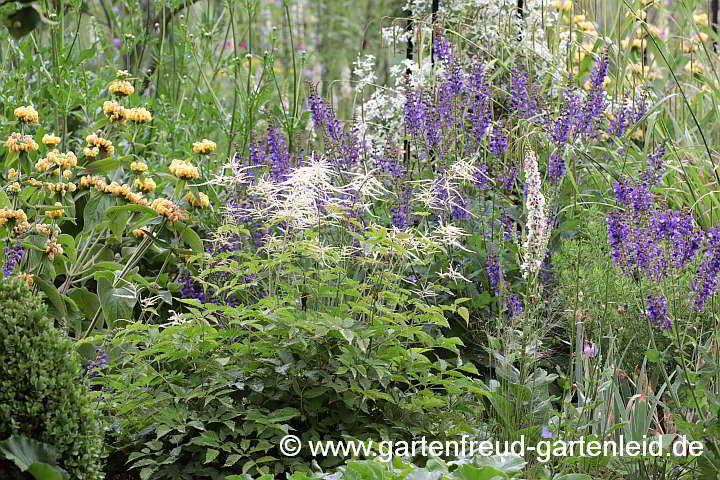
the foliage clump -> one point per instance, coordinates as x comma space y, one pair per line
42, 394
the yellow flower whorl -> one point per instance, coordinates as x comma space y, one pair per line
17, 142
27, 114
184, 170
205, 146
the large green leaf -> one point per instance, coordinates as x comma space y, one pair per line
86, 301
53, 295
189, 236
118, 220
468, 472
95, 208
32, 456
44, 471
104, 165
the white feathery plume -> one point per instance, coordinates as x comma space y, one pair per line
462, 171
299, 198
450, 235
453, 274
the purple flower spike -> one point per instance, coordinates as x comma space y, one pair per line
442, 49
556, 166
498, 141
515, 306
521, 99
495, 274
13, 257
596, 101
657, 312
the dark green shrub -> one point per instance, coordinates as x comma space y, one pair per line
42, 394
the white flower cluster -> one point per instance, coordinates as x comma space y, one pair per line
364, 71
395, 34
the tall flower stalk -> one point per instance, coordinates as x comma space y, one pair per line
538, 226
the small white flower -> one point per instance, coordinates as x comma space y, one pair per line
364, 70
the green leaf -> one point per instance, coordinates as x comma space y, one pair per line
131, 208
86, 301
211, 454
283, 415
53, 295
190, 238
24, 451
465, 314
11, 158
654, 356
104, 165
146, 472
468, 472
68, 244
161, 431
43, 471
95, 208
116, 303
118, 221
4, 200
231, 460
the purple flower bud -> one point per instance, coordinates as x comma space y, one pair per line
590, 350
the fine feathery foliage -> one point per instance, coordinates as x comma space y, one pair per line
42, 395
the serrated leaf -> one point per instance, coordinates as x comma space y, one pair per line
211, 454
232, 460
465, 314
146, 472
